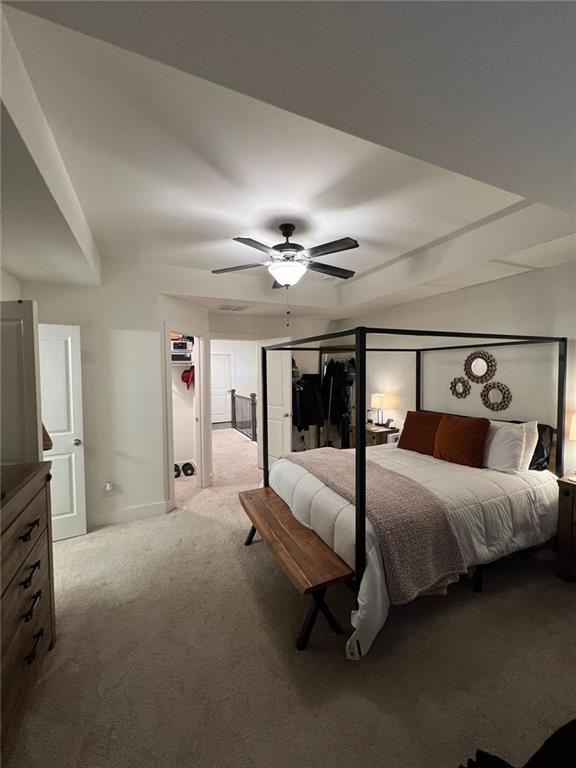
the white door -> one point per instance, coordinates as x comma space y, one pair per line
221, 374
61, 388
279, 365
21, 432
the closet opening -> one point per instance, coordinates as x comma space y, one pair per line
234, 383
184, 375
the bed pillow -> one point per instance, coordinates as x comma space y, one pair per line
461, 440
419, 431
530, 442
504, 449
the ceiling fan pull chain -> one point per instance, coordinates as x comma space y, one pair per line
287, 307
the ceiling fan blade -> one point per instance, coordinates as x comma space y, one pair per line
334, 246
255, 244
328, 269
236, 269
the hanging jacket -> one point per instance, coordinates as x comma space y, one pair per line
335, 391
307, 407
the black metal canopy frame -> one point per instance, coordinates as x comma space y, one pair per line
360, 350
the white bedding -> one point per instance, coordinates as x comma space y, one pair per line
493, 514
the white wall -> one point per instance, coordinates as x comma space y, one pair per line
244, 362
10, 287
124, 325
183, 414
127, 392
541, 302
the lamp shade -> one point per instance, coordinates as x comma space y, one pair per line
572, 432
287, 272
379, 400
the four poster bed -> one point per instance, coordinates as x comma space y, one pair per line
397, 523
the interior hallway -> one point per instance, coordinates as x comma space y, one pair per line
235, 462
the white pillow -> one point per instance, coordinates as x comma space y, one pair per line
530, 441
504, 449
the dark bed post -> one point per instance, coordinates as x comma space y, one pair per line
418, 379
360, 540
561, 405
265, 466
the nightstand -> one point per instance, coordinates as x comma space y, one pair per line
374, 435
567, 528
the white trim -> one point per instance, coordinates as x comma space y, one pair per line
130, 514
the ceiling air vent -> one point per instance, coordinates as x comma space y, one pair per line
231, 307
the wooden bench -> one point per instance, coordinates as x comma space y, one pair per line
308, 562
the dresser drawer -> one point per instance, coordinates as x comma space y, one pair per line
30, 586
19, 539
20, 667
27, 646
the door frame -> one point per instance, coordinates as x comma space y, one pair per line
203, 411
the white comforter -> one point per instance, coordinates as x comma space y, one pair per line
493, 514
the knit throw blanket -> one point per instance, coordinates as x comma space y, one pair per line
420, 551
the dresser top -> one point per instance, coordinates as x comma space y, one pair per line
15, 477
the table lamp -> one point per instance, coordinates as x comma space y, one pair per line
379, 401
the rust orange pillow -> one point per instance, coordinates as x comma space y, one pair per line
461, 440
419, 431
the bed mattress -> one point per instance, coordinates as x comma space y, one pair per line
492, 513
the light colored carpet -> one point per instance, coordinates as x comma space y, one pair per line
235, 462
175, 649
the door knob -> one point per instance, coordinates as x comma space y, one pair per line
286, 415
77, 441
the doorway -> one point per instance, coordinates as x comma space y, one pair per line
234, 381
185, 403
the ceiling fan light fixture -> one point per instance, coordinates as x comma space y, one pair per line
287, 272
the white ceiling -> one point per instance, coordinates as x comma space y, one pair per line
168, 167
487, 89
37, 243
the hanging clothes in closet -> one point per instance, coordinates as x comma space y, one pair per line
339, 376
307, 406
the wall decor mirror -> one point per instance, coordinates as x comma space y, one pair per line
496, 396
460, 387
480, 366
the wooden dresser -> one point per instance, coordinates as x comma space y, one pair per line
27, 604
567, 528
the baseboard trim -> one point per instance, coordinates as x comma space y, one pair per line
130, 514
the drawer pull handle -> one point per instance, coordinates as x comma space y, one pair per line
27, 535
27, 582
27, 616
30, 657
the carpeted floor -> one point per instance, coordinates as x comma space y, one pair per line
235, 461
175, 650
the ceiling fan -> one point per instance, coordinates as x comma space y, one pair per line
287, 262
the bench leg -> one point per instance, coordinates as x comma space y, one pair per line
318, 606
477, 578
250, 537
330, 618
308, 625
